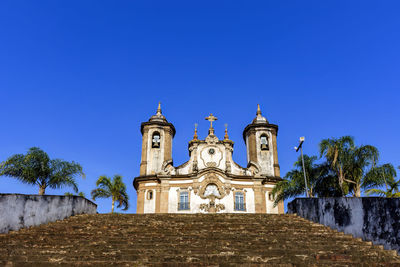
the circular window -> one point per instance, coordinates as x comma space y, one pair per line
211, 151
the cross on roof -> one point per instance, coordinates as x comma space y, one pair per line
211, 118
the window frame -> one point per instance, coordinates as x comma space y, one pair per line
261, 144
183, 206
152, 139
149, 194
239, 206
270, 197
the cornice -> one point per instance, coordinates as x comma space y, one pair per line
158, 178
160, 123
251, 126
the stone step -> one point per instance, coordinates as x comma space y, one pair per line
191, 239
104, 253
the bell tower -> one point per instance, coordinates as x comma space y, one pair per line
262, 154
157, 135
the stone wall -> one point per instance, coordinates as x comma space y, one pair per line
371, 218
19, 211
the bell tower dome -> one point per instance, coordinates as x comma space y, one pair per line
157, 135
260, 138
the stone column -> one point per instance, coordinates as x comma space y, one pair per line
259, 198
264, 201
164, 196
252, 146
158, 200
277, 171
140, 201
143, 163
281, 209
167, 144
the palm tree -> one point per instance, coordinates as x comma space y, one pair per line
293, 183
350, 163
37, 168
114, 188
336, 152
383, 175
392, 191
360, 162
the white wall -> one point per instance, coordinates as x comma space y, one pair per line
20, 211
150, 204
270, 204
265, 157
196, 201
155, 156
371, 218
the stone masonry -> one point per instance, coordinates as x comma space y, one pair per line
188, 240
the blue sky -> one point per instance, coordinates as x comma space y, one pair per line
78, 77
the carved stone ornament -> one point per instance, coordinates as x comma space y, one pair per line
212, 180
211, 156
195, 167
211, 139
228, 166
168, 168
253, 167
212, 207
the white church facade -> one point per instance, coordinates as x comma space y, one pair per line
210, 181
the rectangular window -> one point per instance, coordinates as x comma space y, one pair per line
184, 201
239, 202
270, 197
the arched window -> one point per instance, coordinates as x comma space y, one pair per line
264, 142
240, 205
184, 201
155, 140
150, 194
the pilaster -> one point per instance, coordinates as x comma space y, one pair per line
140, 201
281, 207
158, 200
259, 197
143, 163
252, 146
167, 144
164, 195
277, 170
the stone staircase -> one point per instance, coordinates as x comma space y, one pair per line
188, 240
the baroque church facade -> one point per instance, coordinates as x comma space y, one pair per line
210, 181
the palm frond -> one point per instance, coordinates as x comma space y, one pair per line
100, 193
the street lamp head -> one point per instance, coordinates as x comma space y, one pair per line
302, 139
295, 148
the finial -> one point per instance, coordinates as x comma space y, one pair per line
226, 137
211, 118
258, 109
159, 108
195, 137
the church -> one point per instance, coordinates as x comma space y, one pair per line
210, 181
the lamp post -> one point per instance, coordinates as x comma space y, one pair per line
300, 147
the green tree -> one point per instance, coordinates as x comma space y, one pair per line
350, 163
383, 175
361, 161
80, 194
37, 168
114, 189
336, 152
293, 183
